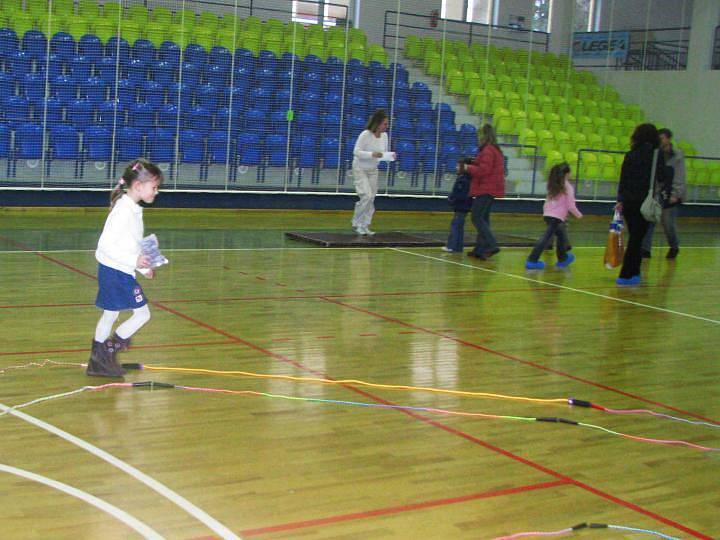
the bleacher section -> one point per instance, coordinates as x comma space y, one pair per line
540, 101
145, 94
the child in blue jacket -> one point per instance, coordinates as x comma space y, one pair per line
461, 202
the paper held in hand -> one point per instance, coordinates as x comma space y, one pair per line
388, 156
150, 247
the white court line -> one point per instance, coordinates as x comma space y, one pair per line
565, 287
153, 484
114, 511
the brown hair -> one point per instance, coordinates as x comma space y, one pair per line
375, 120
645, 133
139, 170
486, 135
556, 179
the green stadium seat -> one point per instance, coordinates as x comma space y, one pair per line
413, 47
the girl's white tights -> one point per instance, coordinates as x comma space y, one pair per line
104, 326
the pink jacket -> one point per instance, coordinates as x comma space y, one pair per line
559, 206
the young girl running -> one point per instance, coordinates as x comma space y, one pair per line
560, 201
119, 255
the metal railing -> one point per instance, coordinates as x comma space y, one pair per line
398, 25
651, 49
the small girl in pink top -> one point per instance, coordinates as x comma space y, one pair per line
560, 201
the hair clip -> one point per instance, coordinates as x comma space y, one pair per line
121, 182
137, 166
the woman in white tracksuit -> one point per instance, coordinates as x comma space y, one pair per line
369, 148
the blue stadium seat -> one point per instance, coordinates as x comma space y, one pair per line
312, 81
407, 156
4, 141
244, 58
29, 141
20, 63
220, 56
126, 92
449, 155
144, 50
208, 96
80, 113
305, 151
425, 128
90, 47
141, 115
218, 147
379, 102
94, 90
267, 59
356, 124
199, 119
179, 94
136, 71
80, 68
196, 54
426, 155
129, 143
64, 142
249, 149
422, 108
53, 65
224, 115
9, 43
420, 92
243, 73
152, 93
403, 128
97, 143
401, 105
402, 90
168, 116
255, 120
192, 146
468, 134
17, 111
357, 105
118, 48
331, 124
330, 152
332, 101
7, 85
333, 82
190, 74
63, 45
261, 98
276, 149
355, 67
49, 110
217, 75
107, 69
111, 113
32, 86
399, 72
34, 43
170, 52
265, 79
163, 72
238, 96
161, 145
278, 121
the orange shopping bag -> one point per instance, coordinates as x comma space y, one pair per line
615, 248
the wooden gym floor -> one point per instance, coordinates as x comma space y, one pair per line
238, 296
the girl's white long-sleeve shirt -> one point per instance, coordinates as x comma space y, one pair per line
119, 244
366, 144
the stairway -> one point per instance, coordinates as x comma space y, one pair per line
520, 178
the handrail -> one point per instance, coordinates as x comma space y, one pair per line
493, 33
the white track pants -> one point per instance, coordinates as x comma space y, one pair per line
366, 186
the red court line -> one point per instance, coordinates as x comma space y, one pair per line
452, 430
434, 423
87, 349
399, 509
520, 360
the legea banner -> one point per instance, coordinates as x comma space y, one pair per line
601, 44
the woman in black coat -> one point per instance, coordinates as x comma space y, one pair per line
632, 190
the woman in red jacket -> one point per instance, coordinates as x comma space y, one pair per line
487, 182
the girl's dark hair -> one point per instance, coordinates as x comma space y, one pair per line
376, 119
486, 135
645, 133
139, 170
556, 179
